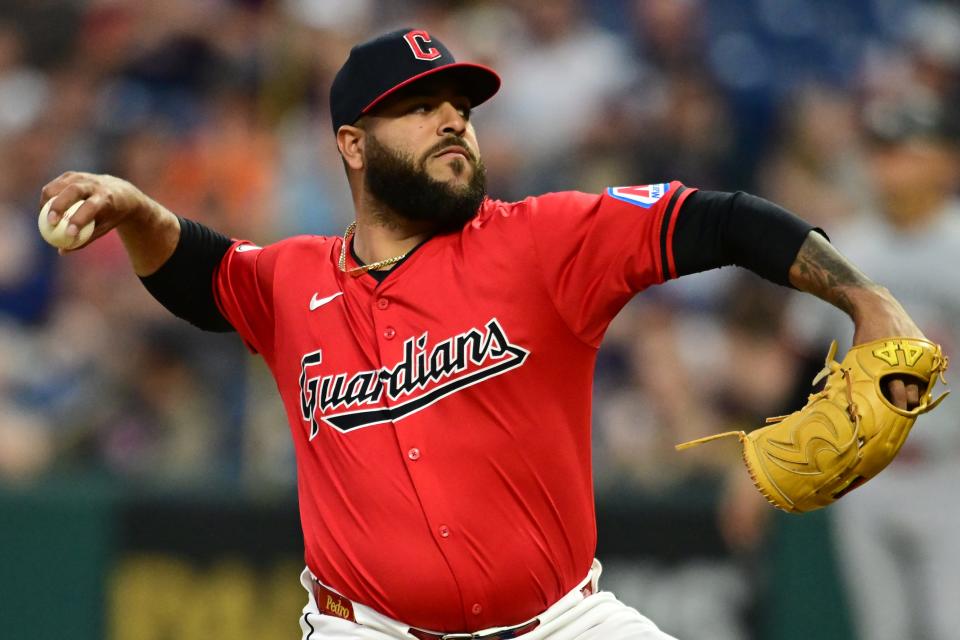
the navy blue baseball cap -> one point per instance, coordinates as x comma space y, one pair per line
377, 68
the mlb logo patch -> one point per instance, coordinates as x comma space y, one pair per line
644, 196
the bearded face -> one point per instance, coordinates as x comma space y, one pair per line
402, 183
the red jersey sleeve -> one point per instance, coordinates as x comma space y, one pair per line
597, 251
243, 290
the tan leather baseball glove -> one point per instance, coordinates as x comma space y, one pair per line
847, 432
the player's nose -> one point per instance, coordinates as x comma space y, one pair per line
452, 120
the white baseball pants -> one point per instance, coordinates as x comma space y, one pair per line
599, 616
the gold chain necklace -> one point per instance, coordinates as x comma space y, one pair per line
362, 269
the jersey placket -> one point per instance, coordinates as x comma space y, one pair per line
392, 344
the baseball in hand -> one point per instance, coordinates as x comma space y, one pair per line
57, 235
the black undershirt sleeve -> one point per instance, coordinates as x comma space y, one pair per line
715, 229
184, 283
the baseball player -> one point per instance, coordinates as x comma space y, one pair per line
435, 362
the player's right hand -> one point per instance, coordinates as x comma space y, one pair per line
109, 201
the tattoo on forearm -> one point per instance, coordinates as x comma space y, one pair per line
821, 270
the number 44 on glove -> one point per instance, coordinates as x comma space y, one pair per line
847, 432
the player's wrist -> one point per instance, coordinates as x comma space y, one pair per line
150, 234
867, 299
139, 211
877, 314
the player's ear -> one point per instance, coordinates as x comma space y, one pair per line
350, 143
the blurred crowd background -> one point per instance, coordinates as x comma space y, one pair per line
844, 112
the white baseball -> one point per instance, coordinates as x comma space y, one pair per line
57, 235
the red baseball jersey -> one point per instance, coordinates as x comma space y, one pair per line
441, 417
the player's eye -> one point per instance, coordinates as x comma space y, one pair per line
426, 107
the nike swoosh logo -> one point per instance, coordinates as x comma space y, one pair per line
248, 247
316, 303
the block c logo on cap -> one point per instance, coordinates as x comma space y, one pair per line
414, 39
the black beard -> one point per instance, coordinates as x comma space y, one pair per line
405, 187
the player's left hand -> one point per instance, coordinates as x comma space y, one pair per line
880, 316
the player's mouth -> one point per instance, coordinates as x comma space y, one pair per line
453, 151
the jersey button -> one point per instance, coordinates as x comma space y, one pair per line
414, 454
476, 609
383, 303
389, 332
444, 531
